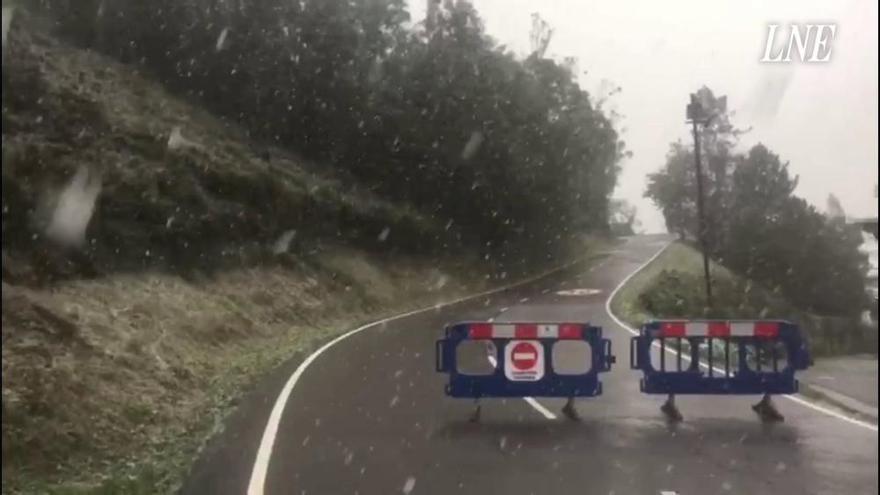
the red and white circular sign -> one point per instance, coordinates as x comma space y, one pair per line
524, 356
524, 360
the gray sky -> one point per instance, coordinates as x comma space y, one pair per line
820, 117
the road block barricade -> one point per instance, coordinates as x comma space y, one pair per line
523, 360
719, 357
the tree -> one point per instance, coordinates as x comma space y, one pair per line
834, 208
768, 234
346, 84
673, 191
623, 217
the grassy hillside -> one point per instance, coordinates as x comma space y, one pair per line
180, 190
672, 287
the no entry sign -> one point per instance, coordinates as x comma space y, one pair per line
524, 360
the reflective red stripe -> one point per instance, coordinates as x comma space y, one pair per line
527, 331
766, 329
672, 329
480, 331
719, 329
570, 331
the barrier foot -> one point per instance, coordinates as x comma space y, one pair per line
569, 411
670, 410
767, 411
475, 416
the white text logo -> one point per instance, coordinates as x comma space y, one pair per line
807, 43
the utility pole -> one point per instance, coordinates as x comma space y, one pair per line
431, 15
697, 114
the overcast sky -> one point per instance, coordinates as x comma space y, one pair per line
820, 117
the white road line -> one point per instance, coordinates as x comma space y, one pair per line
794, 398
257, 481
529, 400
538, 407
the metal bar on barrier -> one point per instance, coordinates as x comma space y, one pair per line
711, 351
775, 354
678, 355
662, 354
758, 356
726, 359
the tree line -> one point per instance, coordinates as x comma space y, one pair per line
757, 226
510, 151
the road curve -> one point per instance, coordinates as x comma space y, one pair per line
368, 415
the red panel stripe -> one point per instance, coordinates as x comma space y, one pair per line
526, 331
766, 329
672, 329
719, 329
480, 331
570, 331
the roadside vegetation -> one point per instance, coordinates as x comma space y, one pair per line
672, 287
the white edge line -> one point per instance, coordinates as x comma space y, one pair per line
794, 398
529, 400
257, 481
538, 407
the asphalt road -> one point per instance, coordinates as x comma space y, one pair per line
369, 416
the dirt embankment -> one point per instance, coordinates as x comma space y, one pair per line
207, 260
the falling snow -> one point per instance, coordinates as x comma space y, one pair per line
176, 140
221, 40
283, 243
409, 485
472, 146
74, 209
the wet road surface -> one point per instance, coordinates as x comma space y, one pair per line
369, 416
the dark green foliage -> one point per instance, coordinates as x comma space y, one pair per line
759, 228
511, 152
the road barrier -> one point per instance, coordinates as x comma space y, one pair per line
523, 360
739, 357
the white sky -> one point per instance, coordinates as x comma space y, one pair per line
825, 122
